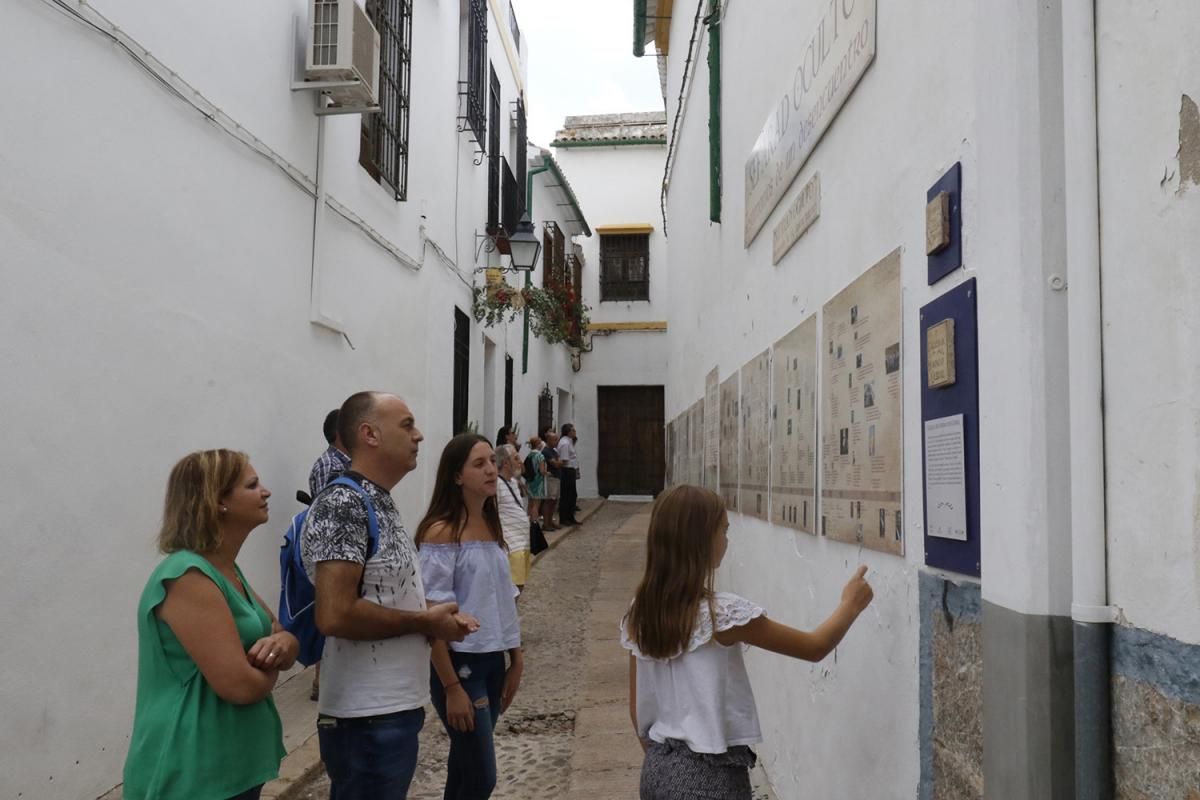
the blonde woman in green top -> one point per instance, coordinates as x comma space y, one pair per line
209, 649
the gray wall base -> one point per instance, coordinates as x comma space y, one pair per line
1093, 712
1028, 710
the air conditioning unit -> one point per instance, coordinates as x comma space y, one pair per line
343, 47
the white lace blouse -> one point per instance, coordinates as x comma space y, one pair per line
701, 696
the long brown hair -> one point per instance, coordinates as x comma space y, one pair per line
680, 562
194, 491
447, 505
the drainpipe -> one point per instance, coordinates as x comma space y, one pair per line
1091, 614
528, 275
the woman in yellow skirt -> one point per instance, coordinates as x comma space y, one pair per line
514, 519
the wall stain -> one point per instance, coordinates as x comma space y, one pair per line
1189, 144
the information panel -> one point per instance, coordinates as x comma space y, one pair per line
695, 449
950, 412
712, 428
794, 424
729, 441
861, 432
754, 463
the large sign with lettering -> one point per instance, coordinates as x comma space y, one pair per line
837, 54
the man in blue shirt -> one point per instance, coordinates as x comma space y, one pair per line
333, 461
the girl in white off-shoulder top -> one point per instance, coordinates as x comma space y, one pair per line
689, 694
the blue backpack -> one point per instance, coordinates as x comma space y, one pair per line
297, 598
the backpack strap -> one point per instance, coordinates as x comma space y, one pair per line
372, 520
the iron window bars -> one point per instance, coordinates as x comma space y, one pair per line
554, 255
625, 267
474, 88
383, 149
493, 152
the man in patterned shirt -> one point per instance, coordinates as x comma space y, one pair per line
333, 462
375, 666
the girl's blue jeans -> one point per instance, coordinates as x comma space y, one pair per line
471, 770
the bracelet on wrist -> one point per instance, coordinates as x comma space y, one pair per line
450, 686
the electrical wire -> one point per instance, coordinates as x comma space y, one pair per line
683, 85
182, 90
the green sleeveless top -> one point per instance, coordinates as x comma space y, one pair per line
187, 742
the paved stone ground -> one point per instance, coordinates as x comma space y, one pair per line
575, 672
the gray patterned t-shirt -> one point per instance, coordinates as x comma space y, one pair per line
368, 678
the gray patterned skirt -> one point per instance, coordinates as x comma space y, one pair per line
671, 771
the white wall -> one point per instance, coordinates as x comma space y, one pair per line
624, 358
920, 108
159, 272
908, 121
631, 199
1150, 244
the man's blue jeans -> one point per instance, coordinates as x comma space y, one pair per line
370, 758
471, 769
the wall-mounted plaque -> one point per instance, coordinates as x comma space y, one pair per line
951, 443
833, 58
754, 463
861, 433
939, 354
729, 441
794, 428
800, 216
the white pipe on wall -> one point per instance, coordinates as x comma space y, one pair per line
1090, 612
1088, 550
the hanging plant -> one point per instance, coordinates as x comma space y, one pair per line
555, 314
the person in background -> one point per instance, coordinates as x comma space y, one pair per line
209, 649
507, 435
569, 473
331, 463
553, 471
689, 695
461, 547
514, 518
535, 465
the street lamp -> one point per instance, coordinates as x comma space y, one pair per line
524, 245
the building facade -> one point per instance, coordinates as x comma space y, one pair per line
931, 287
193, 258
615, 162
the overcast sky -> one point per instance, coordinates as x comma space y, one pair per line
581, 62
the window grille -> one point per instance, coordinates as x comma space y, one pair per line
493, 152
521, 157
474, 87
554, 256
625, 267
383, 147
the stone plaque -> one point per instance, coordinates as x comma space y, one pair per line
937, 224
832, 59
940, 354
800, 216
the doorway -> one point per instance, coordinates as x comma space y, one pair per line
630, 447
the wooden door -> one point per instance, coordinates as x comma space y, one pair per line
630, 446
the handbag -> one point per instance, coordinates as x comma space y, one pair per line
537, 539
